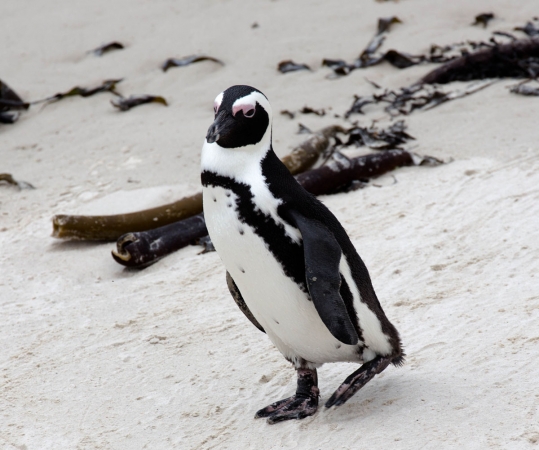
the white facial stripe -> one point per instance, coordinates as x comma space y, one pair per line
217, 102
250, 101
247, 109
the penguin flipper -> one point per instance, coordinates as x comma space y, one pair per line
322, 255
236, 295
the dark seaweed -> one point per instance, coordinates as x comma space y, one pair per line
309, 110
100, 51
9, 101
106, 86
125, 104
524, 89
175, 62
384, 23
505, 34
8, 178
531, 28
373, 137
368, 57
406, 100
288, 114
483, 19
302, 129
290, 66
402, 60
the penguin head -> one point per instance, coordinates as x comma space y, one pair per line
243, 118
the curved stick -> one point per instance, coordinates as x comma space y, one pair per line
110, 228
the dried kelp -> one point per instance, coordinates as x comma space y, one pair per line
111, 227
125, 104
181, 62
516, 59
308, 110
8, 179
10, 101
291, 66
100, 51
376, 138
106, 86
368, 57
483, 19
305, 110
525, 89
302, 129
142, 249
288, 114
146, 247
416, 97
531, 28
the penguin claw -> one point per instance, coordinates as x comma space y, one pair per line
273, 408
288, 409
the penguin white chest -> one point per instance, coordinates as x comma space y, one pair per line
277, 302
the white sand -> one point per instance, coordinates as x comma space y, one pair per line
97, 357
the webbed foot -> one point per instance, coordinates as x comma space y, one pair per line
357, 380
299, 406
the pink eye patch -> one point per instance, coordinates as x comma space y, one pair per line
247, 109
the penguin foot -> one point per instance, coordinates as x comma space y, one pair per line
357, 380
290, 408
299, 406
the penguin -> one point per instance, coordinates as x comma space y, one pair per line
290, 265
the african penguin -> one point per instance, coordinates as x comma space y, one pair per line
291, 267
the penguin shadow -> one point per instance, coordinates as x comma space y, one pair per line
388, 397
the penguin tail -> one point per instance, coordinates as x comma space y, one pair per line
399, 360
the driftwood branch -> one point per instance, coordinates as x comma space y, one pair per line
146, 247
138, 250
110, 228
340, 173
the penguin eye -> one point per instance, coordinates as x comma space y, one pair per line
250, 113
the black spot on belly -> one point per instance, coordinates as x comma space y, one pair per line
241, 269
276, 321
338, 346
214, 199
242, 232
228, 194
229, 205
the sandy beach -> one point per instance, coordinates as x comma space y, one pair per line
95, 356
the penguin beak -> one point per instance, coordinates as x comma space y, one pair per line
219, 128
